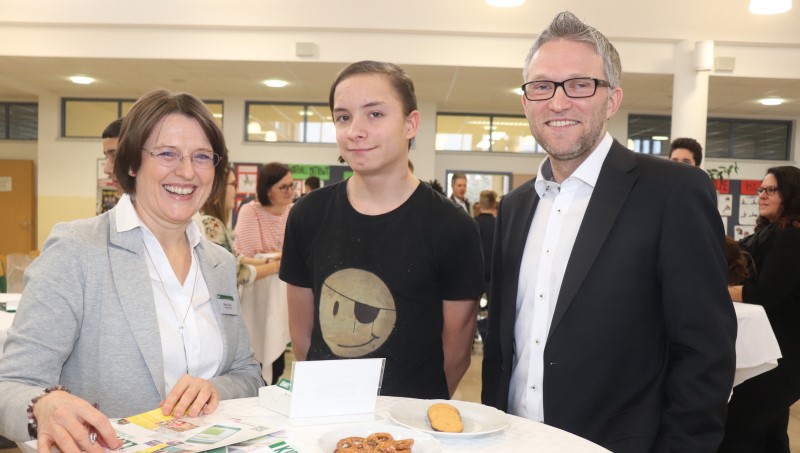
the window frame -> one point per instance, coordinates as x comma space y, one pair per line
306, 107
6, 106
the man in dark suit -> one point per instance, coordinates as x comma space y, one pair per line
459, 196
610, 316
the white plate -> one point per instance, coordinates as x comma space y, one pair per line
478, 420
423, 443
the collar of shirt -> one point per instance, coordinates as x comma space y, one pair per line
128, 219
588, 171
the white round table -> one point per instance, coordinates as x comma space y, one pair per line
522, 435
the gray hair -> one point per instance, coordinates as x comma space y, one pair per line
567, 26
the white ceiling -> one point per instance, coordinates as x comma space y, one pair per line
453, 89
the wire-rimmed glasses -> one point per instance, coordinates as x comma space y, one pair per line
579, 87
170, 157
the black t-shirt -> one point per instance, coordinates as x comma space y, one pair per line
379, 281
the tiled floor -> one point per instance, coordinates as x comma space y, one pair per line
470, 390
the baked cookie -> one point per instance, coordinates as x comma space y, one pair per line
445, 418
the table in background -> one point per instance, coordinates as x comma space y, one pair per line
6, 319
757, 349
522, 435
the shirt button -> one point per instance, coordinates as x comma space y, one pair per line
536, 341
533, 387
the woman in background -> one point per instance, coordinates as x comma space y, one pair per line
214, 217
260, 228
132, 309
758, 413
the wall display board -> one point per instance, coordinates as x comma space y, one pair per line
737, 202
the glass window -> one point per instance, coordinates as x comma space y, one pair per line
478, 182
89, 117
298, 123
463, 132
19, 121
649, 134
725, 137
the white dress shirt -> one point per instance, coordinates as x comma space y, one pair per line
555, 225
201, 340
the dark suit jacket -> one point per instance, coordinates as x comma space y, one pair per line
640, 355
469, 205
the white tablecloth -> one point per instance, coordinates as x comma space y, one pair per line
522, 435
757, 350
265, 311
5, 323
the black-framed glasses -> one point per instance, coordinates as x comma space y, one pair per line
770, 190
579, 87
285, 187
170, 157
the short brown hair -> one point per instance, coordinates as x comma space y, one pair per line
142, 119
488, 199
398, 79
269, 175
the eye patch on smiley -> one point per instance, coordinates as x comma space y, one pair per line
357, 312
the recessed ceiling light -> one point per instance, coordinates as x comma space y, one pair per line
771, 101
275, 83
518, 91
81, 80
504, 3
305, 113
660, 138
770, 6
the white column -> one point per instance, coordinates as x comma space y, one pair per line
689, 94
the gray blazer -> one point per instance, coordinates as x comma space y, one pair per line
87, 321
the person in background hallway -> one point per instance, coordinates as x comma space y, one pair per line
260, 228
110, 137
311, 183
380, 265
758, 413
609, 315
132, 309
459, 185
686, 150
486, 219
214, 217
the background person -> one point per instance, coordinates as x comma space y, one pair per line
260, 229
686, 150
215, 213
380, 265
311, 183
459, 196
125, 309
758, 413
609, 315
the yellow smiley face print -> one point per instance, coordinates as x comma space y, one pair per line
356, 311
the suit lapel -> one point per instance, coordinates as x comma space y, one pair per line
132, 283
617, 176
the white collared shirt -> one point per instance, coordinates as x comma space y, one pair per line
201, 336
552, 235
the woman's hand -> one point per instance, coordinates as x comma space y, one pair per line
191, 396
67, 422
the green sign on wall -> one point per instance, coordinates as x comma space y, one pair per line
301, 171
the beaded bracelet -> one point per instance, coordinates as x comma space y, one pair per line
33, 424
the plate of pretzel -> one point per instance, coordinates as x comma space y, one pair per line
378, 437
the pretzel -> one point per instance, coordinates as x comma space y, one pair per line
375, 443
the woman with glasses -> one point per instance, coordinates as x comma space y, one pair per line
259, 233
132, 309
758, 413
214, 217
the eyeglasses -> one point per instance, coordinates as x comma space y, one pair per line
285, 187
580, 87
169, 157
770, 190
